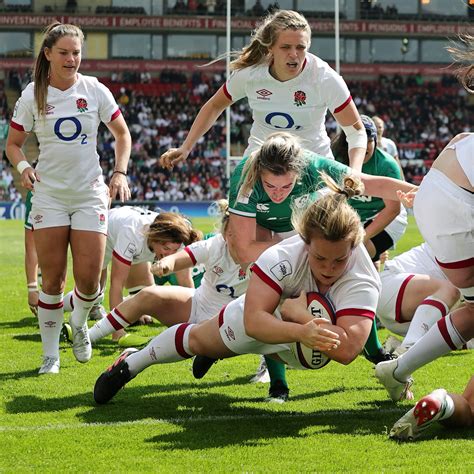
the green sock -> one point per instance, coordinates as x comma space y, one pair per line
372, 346
276, 370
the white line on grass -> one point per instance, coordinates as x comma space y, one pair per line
202, 419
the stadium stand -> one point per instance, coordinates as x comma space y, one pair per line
159, 110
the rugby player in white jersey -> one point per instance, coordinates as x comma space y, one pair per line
288, 89
69, 205
327, 256
224, 280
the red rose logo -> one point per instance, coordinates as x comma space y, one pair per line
300, 98
81, 105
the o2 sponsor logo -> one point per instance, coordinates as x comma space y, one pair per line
226, 290
281, 120
15, 210
67, 122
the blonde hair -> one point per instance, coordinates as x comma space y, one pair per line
223, 209
172, 227
331, 217
264, 37
52, 34
464, 52
280, 153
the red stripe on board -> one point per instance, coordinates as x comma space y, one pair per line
121, 259
398, 304
443, 329
365, 313
191, 255
265, 278
460, 264
343, 106
437, 305
178, 341
17, 126
226, 92
115, 115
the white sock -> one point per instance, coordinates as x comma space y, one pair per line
82, 305
449, 408
50, 319
429, 312
172, 345
114, 321
442, 338
68, 303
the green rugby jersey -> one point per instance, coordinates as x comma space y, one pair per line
277, 217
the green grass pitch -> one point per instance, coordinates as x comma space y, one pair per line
165, 421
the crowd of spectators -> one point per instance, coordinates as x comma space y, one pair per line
420, 116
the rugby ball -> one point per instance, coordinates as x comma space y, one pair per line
320, 307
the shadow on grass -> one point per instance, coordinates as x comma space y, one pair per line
202, 419
28, 322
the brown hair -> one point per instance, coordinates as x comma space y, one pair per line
172, 227
52, 34
264, 37
331, 217
280, 153
463, 51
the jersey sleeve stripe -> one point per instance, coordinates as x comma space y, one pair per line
460, 264
343, 106
191, 255
226, 92
115, 115
120, 258
242, 213
16, 126
265, 278
364, 313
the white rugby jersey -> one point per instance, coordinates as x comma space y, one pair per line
297, 106
126, 239
419, 260
465, 155
224, 279
388, 145
68, 162
285, 268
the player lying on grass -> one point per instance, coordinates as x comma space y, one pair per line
223, 281
264, 188
135, 238
326, 257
